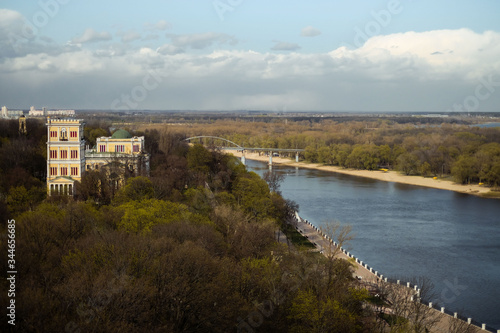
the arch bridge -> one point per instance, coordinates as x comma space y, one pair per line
237, 147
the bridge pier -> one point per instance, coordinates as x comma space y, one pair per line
270, 159
297, 157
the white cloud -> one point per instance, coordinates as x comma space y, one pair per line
91, 36
202, 40
129, 36
160, 25
310, 32
169, 49
284, 46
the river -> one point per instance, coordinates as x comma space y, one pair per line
409, 231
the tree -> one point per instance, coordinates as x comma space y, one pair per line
199, 158
457, 325
424, 169
408, 163
409, 310
463, 169
137, 189
141, 216
274, 180
20, 200
252, 194
94, 186
341, 234
311, 154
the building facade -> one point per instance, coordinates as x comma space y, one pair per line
118, 156
120, 148
65, 155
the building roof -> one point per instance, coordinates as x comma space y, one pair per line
121, 134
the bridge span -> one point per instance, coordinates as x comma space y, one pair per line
237, 147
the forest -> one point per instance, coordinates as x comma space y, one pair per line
195, 246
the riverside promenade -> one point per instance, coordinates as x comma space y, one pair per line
371, 277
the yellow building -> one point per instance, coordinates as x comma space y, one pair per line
119, 154
65, 155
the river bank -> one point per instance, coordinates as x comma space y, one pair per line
388, 176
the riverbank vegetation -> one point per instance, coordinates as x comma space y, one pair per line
464, 153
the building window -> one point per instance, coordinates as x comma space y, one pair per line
53, 153
53, 134
119, 148
53, 171
64, 171
74, 171
136, 148
64, 154
74, 154
102, 148
73, 134
64, 135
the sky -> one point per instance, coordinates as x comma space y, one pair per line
322, 55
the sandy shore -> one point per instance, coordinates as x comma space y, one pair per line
389, 176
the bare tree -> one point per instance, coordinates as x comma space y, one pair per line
274, 180
341, 234
457, 325
407, 313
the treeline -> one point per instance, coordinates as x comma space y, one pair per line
468, 154
193, 248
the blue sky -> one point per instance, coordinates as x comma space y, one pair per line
392, 55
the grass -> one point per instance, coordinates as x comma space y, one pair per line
392, 319
376, 301
296, 237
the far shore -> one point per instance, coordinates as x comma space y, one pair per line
388, 176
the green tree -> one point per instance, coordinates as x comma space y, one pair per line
311, 154
252, 194
463, 169
408, 163
137, 189
199, 158
141, 216
20, 200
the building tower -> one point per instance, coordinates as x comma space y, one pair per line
65, 155
22, 126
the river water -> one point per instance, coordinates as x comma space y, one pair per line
410, 231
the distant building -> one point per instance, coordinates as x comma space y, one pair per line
10, 114
50, 113
67, 159
22, 125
